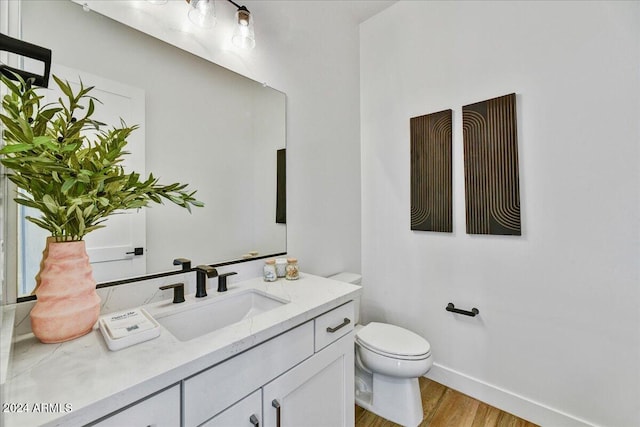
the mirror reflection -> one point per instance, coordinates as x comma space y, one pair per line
200, 124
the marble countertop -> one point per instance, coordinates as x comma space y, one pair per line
76, 382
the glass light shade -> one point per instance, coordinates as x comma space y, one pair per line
202, 13
157, 1
243, 35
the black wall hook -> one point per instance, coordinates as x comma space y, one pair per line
474, 311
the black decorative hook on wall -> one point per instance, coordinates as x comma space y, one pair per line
28, 50
474, 311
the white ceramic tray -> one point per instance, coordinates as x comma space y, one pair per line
129, 327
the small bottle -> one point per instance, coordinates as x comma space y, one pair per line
281, 267
269, 270
292, 269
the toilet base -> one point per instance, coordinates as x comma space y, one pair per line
395, 399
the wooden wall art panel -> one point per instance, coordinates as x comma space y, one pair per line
491, 174
431, 181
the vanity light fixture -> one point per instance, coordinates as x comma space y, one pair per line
202, 13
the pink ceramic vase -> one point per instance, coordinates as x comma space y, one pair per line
68, 305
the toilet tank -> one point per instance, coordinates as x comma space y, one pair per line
354, 279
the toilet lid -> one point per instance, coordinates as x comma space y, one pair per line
391, 339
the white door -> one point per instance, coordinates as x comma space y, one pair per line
111, 249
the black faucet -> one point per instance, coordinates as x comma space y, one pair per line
184, 262
202, 273
178, 292
222, 281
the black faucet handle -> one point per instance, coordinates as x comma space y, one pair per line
178, 291
208, 270
184, 262
222, 281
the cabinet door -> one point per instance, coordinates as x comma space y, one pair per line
316, 393
160, 410
246, 413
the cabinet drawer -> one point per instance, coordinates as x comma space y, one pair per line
162, 409
333, 325
211, 391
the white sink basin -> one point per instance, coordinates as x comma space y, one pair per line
195, 318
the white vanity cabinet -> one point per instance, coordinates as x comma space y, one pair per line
319, 391
306, 372
299, 354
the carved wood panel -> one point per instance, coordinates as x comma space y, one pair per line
491, 167
431, 181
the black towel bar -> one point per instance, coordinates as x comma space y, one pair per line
472, 313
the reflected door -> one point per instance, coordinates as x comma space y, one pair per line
116, 251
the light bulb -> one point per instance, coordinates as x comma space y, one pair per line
202, 13
244, 35
244, 17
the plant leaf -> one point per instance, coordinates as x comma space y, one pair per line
66, 186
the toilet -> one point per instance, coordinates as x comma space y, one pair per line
389, 359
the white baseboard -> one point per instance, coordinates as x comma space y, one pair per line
505, 400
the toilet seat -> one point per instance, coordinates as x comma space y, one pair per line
393, 341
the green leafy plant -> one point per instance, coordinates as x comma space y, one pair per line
74, 182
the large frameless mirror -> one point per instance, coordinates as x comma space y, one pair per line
200, 124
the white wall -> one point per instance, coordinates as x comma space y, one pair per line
316, 64
558, 338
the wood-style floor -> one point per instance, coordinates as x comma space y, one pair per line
446, 407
